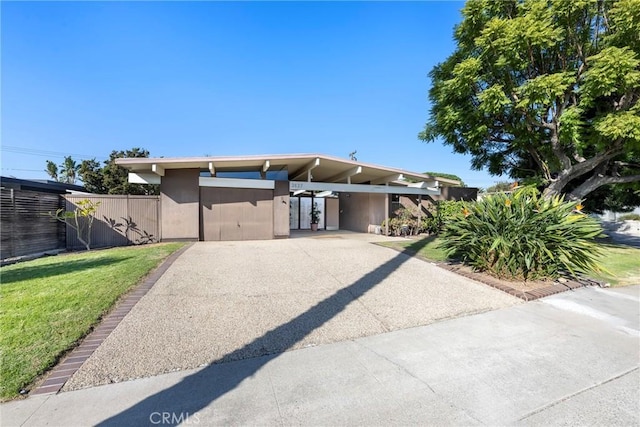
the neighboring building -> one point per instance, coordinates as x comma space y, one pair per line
25, 224
41, 185
265, 197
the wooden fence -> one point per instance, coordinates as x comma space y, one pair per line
26, 227
119, 220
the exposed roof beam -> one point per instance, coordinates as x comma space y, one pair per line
346, 175
157, 169
266, 166
387, 179
144, 178
212, 169
424, 184
305, 170
323, 194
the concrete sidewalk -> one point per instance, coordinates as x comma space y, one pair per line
563, 360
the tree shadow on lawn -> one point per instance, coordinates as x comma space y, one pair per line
200, 389
621, 240
23, 272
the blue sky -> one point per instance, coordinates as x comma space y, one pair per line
214, 78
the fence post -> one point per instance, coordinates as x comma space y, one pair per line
12, 249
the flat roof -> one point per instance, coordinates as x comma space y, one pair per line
40, 185
322, 167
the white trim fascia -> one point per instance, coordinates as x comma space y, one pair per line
359, 188
265, 184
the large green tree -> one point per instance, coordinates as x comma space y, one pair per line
111, 178
545, 90
106, 178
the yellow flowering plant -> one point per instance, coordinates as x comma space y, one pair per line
524, 236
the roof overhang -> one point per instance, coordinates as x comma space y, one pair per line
300, 167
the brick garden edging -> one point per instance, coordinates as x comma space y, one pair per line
530, 295
59, 375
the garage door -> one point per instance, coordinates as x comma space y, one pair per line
236, 214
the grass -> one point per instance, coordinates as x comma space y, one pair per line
425, 248
48, 304
621, 265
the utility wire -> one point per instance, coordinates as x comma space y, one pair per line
46, 153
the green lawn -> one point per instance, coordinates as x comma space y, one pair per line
48, 304
621, 263
425, 248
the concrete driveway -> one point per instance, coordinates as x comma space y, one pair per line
225, 301
569, 359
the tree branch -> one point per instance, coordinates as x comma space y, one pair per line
538, 159
597, 181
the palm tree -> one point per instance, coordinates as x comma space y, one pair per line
52, 170
69, 170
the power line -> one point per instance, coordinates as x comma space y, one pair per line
24, 170
46, 153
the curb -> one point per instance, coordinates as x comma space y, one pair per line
60, 374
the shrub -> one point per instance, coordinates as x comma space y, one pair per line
443, 212
629, 217
403, 222
406, 221
523, 236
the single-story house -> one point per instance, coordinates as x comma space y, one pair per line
265, 197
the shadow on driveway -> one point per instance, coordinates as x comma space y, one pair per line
197, 391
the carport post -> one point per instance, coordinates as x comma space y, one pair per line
386, 211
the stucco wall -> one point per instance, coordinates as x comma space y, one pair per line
281, 209
361, 211
180, 201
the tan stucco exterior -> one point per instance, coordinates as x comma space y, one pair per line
361, 212
180, 204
